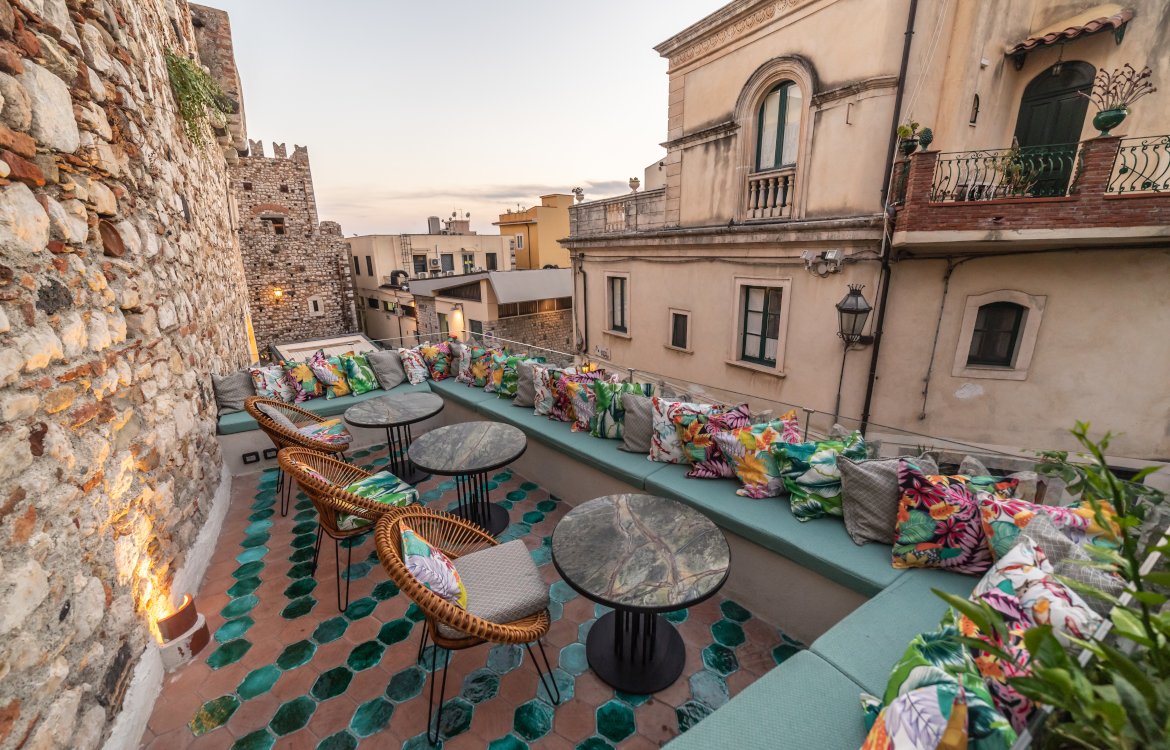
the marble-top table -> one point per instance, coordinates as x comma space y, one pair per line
468, 451
396, 413
641, 555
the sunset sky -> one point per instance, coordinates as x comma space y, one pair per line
412, 109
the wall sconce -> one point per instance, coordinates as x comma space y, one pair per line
852, 313
823, 263
182, 634
278, 294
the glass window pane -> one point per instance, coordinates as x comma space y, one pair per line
755, 300
773, 330
774, 301
678, 332
753, 322
770, 349
769, 122
791, 135
751, 346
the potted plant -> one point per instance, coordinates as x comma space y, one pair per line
1113, 93
1017, 175
908, 137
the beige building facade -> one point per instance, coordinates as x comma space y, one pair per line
536, 232
1016, 282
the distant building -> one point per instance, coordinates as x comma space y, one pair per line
299, 285
537, 232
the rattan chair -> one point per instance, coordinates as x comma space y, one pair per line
455, 537
282, 437
330, 499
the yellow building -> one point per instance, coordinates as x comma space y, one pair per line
538, 232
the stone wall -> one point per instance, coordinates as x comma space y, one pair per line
307, 262
553, 330
121, 291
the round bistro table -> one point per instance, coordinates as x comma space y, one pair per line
468, 451
641, 555
396, 413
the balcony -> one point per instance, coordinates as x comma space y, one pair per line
1104, 192
637, 212
770, 195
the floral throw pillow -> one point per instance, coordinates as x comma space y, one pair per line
383, 488
359, 373
432, 568
562, 409
330, 373
665, 445
609, 414
510, 376
413, 364
749, 450
302, 381
471, 352
695, 432
331, 431
542, 389
939, 522
496, 365
812, 477
1004, 519
437, 358
270, 382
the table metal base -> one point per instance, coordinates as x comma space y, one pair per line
397, 444
475, 504
635, 652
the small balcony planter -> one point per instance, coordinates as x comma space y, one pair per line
1107, 119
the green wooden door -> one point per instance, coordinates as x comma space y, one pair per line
1052, 115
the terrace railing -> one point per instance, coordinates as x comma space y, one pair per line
1142, 165
770, 195
636, 212
1031, 172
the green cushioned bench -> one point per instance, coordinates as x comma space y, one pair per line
230, 424
460, 393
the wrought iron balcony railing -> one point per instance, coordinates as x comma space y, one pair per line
1031, 172
770, 194
1142, 166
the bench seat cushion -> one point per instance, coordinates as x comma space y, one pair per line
821, 545
458, 392
230, 424
601, 454
867, 643
804, 704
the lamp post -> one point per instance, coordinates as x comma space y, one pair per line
852, 313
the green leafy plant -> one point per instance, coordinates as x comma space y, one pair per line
908, 130
199, 98
1017, 174
1114, 692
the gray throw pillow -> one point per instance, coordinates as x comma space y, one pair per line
387, 367
231, 390
1067, 558
870, 495
276, 415
639, 423
973, 467
525, 385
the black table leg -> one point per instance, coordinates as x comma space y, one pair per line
475, 503
635, 652
398, 439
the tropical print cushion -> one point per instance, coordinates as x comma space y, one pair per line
609, 415
302, 381
695, 431
331, 373
1024, 589
481, 363
752, 459
471, 352
935, 698
330, 431
415, 367
510, 374
432, 568
1004, 519
359, 373
583, 401
939, 522
811, 475
270, 382
383, 488
437, 358
563, 408
496, 364
542, 389
665, 445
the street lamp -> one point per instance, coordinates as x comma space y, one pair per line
852, 313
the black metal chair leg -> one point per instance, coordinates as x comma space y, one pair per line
422, 643
437, 720
281, 481
337, 562
317, 548
555, 690
285, 494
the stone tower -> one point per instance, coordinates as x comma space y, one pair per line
299, 286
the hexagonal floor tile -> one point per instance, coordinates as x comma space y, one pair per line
240, 606
343, 740
365, 655
733, 611
298, 607
508, 742
504, 658
615, 721
456, 719
395, 631
257, 682
594, 743
561, 592
233, 629
213, 714
228, 653
292, 716
331, 683
481, 685
296, 654
690, 714
361, 608
720, 659
728, 633
564, 684
406, 684
261, 739
709, 688
783, 652
371, 717
532, 720
385, 590
330, 630
573, 659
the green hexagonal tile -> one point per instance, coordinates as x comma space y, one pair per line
258, 527
300, 588
241, 606
292, 716
385, 590
255, 540
343, 740
421, 742
728, 633
502, 659
633, 699
583, 630
690, 714
457, 714
414, 614
541, 556
546, 506
561, 592
733, 611
304, 554
306, 514
395, 631
300, 570
261, 739
243, 587
532, 720
257, 682
564, 684
228, 653
249, 570
573, 659
615, 721
359, 609
517, 495
783, 652
371, 717
529, 486
305, 527
594, 743
295, 654
331, 683
233, 629
508, 742
298, 608
304, 540
709, 688
481, 685
678, 616
720, 659
406, 684
533, 517
330, 630
365, 655
213, 714
439, 656
260, 515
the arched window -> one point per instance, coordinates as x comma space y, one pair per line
779, 127
996, 335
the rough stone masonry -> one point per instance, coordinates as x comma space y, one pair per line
121, 291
